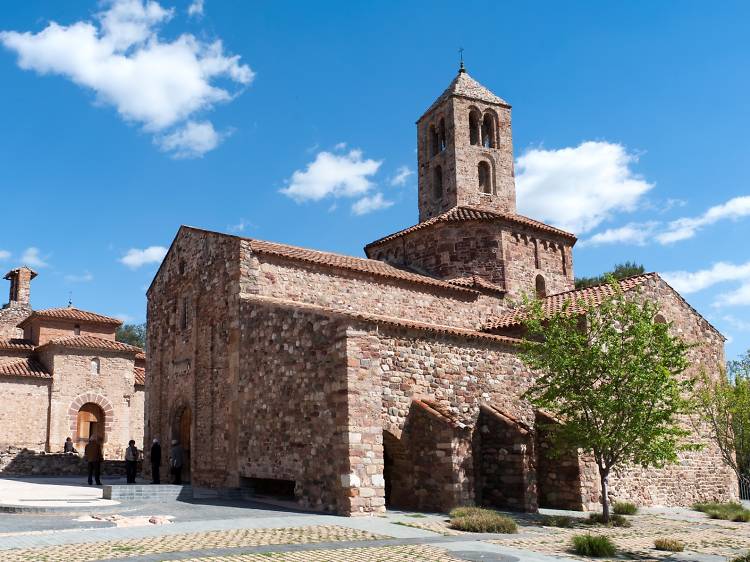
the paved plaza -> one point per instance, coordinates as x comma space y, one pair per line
64, 519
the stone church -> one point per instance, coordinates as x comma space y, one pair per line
63, 374
352, 384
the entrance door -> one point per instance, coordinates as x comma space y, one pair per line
89, 423
181, 432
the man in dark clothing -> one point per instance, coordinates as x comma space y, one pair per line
131, 461
94, 457
155, 461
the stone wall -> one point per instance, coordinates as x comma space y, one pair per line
527, 255
293, 393
11, 315
23, 414
137, 416
361, 293
16, 461
74, 384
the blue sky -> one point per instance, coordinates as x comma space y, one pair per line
122, 120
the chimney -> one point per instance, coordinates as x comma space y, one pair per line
20, 285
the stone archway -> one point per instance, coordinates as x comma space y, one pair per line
89, 413
181, 430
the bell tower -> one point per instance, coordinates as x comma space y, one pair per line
465, 151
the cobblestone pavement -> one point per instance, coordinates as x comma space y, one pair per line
186, 543
410, 553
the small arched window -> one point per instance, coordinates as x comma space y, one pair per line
437, 182
441, 134
485, 178
659, 319
77, 330
96, 366
474, 128
541, 287
432, 139
488, 131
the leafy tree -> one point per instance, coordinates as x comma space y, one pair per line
725, 406
620, 271
612, 378
132, 334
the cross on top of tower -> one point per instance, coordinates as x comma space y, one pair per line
461, 68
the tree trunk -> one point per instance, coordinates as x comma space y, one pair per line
604, 478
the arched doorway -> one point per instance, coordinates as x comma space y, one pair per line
89, 423
181, 431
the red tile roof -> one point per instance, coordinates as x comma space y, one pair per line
16, 344
460, 214
476, 282
71, 313
28, 367
578, 299
373, 267
140, 376
91, 342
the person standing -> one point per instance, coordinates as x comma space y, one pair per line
176, 459
155, 461
94, 457
131, 461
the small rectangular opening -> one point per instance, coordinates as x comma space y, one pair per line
269, 487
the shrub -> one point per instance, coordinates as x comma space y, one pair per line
624, 508
593, 545
615, 520
743, 558
558, 521
672, 545
478, 520
726, 511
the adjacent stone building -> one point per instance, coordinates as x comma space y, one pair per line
63, 374
352, 384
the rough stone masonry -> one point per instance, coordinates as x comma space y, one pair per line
352, 384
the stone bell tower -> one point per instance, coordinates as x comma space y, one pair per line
465, 151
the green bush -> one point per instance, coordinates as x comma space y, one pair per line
726, 511
558, 521
672, 545
615, 520
593, 545
479, 520
624, 508
743, 558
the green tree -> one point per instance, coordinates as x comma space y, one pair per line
132, 334
611, 376
620, 271
724, 404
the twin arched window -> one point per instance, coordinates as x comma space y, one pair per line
437, 138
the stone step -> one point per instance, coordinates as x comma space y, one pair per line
148, 492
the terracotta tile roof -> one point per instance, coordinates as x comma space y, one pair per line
476, 282
373, 267
578, 299
71, 313
140, 376
459, 214
465, 86
91, 342
28, 367
439, 411
16, 344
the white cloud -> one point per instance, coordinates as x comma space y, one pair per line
196, 8
370, 203
684, 228
333, 175
578, 188
402, 175
4, 255
135, 258
86, 277
120, 56
737, 297
240, 226
736, 323
191, 141
632, 233
32, 258
720, 272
